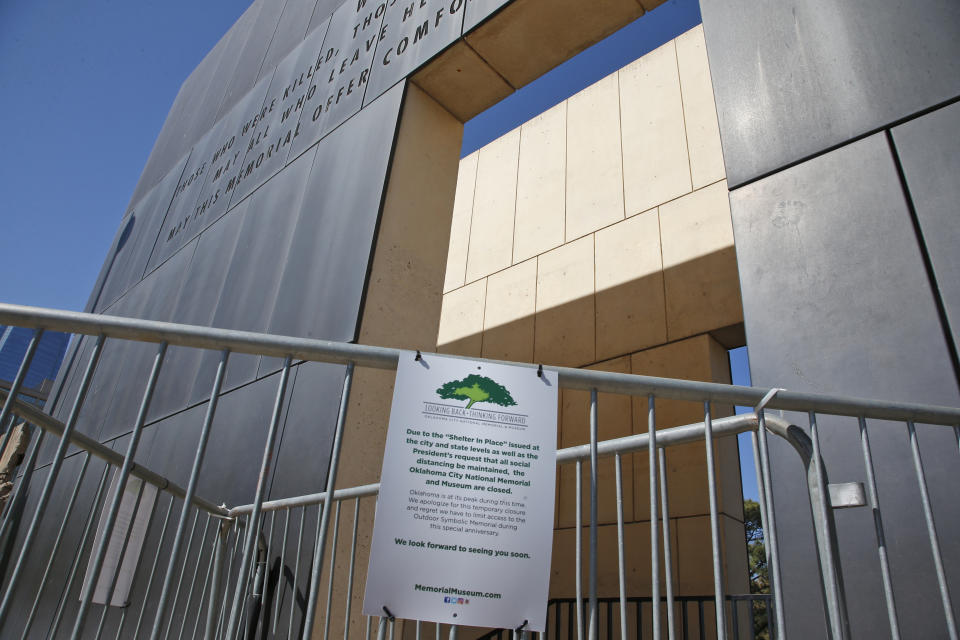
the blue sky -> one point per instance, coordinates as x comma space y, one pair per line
87, 86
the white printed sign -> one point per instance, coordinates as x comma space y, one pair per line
464, 525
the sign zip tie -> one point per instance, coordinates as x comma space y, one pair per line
418, 357
539, 375
390, 616
521, 627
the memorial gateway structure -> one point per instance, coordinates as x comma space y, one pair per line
783, 176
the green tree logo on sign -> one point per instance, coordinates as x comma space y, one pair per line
476, 389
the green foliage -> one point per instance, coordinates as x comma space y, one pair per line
476, 389
757, 565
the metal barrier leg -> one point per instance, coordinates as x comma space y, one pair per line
333, 564
206, 583
878, 527
667, 555
621, 566
265, 465
836, 608
321, 545
52, 476
771, 541
283, 551
191, 491
122, 476
932, 533
153, 568
714, 526
654, 515
594, 622
353, 558
216, 583
579, 554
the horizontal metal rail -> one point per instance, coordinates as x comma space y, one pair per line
33, 415
386, 358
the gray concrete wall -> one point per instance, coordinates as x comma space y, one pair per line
840, 136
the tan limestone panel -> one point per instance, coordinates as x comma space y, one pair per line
594, 167
700, 265
541, 197
494, 203
613, 421
699, 109
656, 167
460, 223
510, 308
462, 82
529, 37
461, 320
636, 560
698, 358
564, 329
631, 312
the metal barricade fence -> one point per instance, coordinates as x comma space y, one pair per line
219, 572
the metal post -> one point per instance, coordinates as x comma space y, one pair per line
321, 544
621, 565
206, 580
258, 501
56, 545
714, 526
296, 573
52, 476
832, 580
65, 592
283, 551
878, 527
932, 533
153, 568
191, 491
579, 555
770, 538
122, 477
183, 571
667, 555
223, 534
193, 581
353, 558
654, 515
594, 516
333, 562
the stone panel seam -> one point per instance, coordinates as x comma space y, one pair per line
473, 204
487, 62
822, 152
683, 112
925, 256
516, 196
623, 173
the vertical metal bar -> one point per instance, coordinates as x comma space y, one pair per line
206, 580
878, 527
296, 573
153, 568
321, 544
183, 571
240, 523
52, 476
136, 568
122, 477
579, 555
367, 636
15, 387
333, 565
594, 516
703, 631
684, 619
667, 555
223, 536
191, 491
382, 629
283, 550
193, 581
353, 558
654, 515
123, 552
621, 565
734, 618
56, 545
453, 632
265, 615
65, 592
932, 533
36, 440
770, 536
714, 525
251, 538
829, 570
